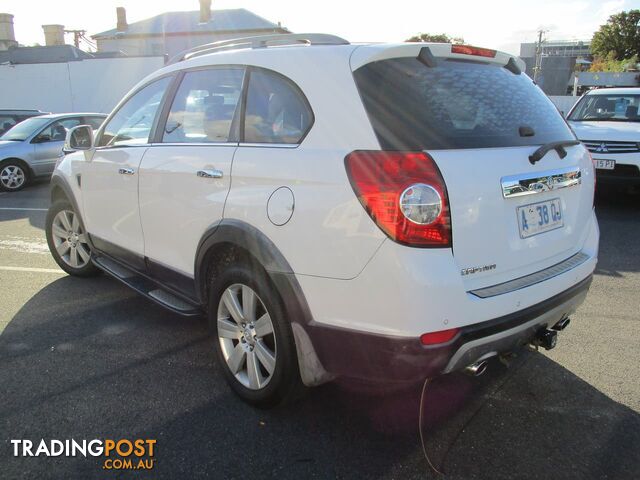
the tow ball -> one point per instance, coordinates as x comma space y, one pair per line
546, 339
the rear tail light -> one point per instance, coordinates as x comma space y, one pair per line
404, 193
443, 336
469, 50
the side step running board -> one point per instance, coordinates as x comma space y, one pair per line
146, 287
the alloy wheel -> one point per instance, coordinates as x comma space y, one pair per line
69, 239
246, 336
12, 177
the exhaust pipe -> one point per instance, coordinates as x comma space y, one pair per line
476, 369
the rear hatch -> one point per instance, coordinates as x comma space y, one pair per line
480, 118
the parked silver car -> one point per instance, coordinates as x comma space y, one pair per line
31, 148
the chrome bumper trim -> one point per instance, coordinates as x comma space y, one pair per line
531, 279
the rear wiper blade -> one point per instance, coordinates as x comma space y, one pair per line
546, 148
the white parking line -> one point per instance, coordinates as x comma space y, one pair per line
25, 209
30, 269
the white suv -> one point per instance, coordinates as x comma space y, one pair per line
381, 212
607, 121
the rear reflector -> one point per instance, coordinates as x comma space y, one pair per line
404, 194
469, 50
443, 336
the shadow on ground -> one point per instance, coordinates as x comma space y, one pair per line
88, 359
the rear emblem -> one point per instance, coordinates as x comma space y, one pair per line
602, 148
472, 270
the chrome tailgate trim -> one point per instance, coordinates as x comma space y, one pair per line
530, 184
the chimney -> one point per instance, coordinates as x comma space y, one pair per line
7, 37
121, 13
205, 11
53, 35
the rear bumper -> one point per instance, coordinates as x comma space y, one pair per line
389, 359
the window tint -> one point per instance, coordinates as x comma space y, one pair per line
204, 107
607, 108
455, 104
57, 131
94, 122
132, 124
276, 110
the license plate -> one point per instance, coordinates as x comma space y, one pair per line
539, 217
604, 164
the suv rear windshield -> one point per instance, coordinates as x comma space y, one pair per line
456, 104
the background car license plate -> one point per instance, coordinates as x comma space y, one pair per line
539, 217
604, 164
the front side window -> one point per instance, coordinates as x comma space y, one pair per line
204, 107
57, 131
276, 110
93, 122
607, 108
132, 123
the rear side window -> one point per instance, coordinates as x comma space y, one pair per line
456, 104
276, 110
204, 107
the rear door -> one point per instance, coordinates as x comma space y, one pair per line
185, 175
480, 122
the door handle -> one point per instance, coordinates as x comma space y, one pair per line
209, 173
125, 171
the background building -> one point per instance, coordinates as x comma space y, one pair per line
62, 78
558, 63
173, 32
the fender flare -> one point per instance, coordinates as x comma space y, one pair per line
241, 234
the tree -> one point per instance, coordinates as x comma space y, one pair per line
610, 64
620, 35
439, 38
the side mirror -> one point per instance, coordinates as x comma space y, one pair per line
79, 138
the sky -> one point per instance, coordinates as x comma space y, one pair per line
499, 24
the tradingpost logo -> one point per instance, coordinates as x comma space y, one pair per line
122, 454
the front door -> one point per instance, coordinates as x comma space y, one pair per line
110, 178
185, 176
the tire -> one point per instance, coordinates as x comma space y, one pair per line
263, 389
14, 175
67, 242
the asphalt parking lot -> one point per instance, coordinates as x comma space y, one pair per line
88, 359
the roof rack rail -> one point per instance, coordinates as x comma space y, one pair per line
261, 41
